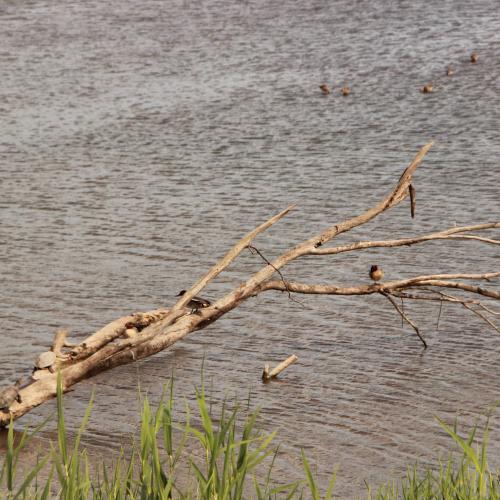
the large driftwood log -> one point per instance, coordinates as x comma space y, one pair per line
143, 334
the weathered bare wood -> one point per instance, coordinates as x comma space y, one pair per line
439, 295
59, 342
178, 309
143, 334
448, 234
486, 292
268, 375
223, 263
436, 280
308, 247
130, 333
405, 317
397, 195
114, 330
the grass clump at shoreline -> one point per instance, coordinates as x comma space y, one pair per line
223, 458
465, 478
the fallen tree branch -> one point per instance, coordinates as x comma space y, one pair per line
140, 335
436, 280
114, 330
223, 263
441, 235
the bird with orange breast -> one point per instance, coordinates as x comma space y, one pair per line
474, 57
376, 274
345, 91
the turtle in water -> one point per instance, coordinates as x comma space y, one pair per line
46, 360
9, 395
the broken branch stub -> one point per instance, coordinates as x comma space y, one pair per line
269, 375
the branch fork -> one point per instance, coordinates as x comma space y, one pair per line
140, 335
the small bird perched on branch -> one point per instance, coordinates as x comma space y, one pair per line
196, 302
376, 274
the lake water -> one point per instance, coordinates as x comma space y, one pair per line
140, 140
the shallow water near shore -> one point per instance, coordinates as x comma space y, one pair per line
140, 140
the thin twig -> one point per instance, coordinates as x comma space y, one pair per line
474, 237
426, 281
445, 297
482, 316
255, 250
405, 317
403, 309
439, 315
454, 233
406, 295
487, 309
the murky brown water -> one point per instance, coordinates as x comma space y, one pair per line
139, 140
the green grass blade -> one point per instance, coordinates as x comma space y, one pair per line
48, 483
9, 458
467, 449
61, 431
331, 486
310, 479
83, 425
30, 476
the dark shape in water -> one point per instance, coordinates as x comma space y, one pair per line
324, 88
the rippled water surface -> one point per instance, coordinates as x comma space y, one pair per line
139, 140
